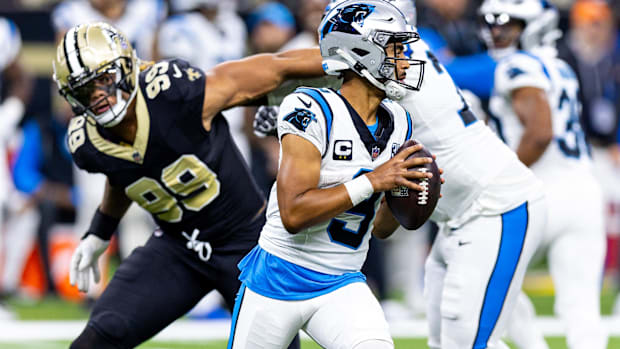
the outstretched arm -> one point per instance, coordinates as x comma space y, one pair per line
239, 82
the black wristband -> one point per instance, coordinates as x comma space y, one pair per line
102, 225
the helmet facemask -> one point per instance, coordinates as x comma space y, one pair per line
352, 38
97, 57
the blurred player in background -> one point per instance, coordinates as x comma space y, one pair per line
491, 215
12, 107
536, 112
161, 141
205, 33
138, 20
336, 160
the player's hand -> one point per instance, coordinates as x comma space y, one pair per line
85, 258
266, 121
395, 172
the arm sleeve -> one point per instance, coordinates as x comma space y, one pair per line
297, 118
520, 71
26, 172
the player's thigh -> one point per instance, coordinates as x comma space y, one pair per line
348, 317
486, 259
150, 289
263, 322
434, 274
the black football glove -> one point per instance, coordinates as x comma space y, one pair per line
266, 121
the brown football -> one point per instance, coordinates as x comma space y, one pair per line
411, 207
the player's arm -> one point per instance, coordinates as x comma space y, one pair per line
385, 224
242, 81
103, 224
115, 203
531, 106
302, 204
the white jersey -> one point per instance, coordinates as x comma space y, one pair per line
10, 42
483, 176
567, 153
138, 22
192, 37
322, 117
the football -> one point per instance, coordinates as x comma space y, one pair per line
410, 207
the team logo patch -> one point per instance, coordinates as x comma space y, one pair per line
300, 118
514, 72
343, 150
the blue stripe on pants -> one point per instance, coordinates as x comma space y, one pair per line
514, 229
235, 315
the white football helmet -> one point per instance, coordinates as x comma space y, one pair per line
85, 54
407, 7
538, 17
353, 36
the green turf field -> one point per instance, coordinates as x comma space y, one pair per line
554, 343
55, 309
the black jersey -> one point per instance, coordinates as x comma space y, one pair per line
186, 177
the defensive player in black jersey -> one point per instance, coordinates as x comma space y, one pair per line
155, 130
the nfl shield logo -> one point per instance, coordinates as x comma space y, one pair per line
137, 157
375, 152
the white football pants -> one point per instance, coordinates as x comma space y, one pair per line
474, 275
347, 318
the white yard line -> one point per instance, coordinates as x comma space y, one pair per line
200, 330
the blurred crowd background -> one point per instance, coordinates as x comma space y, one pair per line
47, 203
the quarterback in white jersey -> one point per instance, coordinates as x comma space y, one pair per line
491, 215
536, 111
337, 158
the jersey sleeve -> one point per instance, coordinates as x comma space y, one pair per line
175, 82
301, 115
518, 71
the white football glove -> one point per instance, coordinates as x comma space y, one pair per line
85, 258
266, 121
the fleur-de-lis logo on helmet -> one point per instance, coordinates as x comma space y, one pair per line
86, 54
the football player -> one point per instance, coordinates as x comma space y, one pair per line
12, 108
156, 131
491, 215
536, 112
337, 157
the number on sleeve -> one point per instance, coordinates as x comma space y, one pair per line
76, 137
157, 80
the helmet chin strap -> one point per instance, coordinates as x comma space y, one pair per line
391, 88
117, 112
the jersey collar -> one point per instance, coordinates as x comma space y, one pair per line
134, 153
385, 127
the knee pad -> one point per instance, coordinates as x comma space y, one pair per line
374, 344
90, 339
